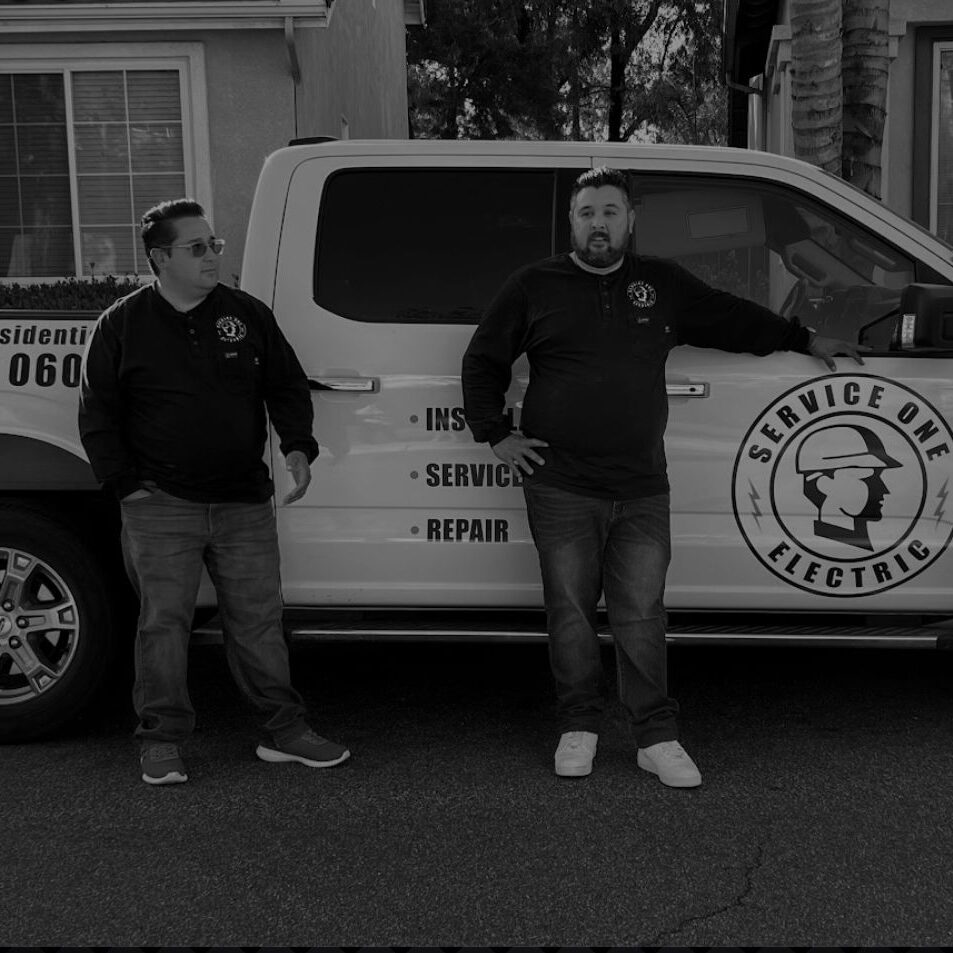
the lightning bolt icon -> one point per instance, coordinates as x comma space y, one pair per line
941, 496
755, 510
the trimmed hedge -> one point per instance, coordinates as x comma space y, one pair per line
69, 295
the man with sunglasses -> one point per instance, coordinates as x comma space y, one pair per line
177, 378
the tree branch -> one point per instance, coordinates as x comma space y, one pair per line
631, 42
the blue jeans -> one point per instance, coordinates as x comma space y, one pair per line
165, 541
622, 547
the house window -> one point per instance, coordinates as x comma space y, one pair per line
942, 184
83, 153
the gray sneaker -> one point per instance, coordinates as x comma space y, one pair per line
575, 753
162, 764
308, 748
670, 761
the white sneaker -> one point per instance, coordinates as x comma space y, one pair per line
575, 753
670, 761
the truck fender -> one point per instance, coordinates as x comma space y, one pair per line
40, 447
30, 464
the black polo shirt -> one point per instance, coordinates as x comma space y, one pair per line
180, 398
597, 346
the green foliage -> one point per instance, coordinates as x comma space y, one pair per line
68, 295
488, 69
742, 272
675, 87
560, 69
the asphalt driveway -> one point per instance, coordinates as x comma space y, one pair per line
823, 819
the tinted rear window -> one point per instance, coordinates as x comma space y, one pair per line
432, 245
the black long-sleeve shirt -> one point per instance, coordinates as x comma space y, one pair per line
597, 346
180, 398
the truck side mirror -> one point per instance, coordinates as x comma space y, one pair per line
926, 317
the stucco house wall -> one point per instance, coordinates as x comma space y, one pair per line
251, 112
355, 83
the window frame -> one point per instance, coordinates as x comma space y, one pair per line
939, 48
927, 39
188, 59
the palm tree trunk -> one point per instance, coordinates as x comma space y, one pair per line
865, 67
816, 89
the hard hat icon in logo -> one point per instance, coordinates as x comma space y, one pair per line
835, 447
841, 466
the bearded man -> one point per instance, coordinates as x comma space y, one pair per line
597, 325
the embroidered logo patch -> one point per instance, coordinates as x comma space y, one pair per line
641, 294
230, 330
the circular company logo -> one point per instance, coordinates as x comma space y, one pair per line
840, 486
641, 294
230, 330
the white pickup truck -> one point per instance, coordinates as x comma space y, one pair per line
805, 506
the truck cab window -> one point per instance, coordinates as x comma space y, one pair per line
428, 246
779, 248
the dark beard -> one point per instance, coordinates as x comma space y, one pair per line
603, 259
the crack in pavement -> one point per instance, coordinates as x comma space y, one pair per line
749, 873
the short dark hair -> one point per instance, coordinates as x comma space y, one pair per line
596, 178
156, 225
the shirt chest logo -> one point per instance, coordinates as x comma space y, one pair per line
641, 294
230, 330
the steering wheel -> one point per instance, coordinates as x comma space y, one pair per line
796, 301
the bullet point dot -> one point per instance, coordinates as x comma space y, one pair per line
414, 474
414, 530
414, 418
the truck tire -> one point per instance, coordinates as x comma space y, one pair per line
56, 623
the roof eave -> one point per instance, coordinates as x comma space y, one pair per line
203, 14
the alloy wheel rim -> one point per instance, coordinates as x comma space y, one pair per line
39, 626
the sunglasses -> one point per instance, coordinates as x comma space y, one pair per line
200, 247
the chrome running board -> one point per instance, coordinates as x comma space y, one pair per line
438, 625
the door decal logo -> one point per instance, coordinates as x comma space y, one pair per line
841, 466
840, 486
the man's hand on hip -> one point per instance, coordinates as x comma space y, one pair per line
517, 451
299, 468
824, 350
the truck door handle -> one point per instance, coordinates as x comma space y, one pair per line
687, 390
354, 385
